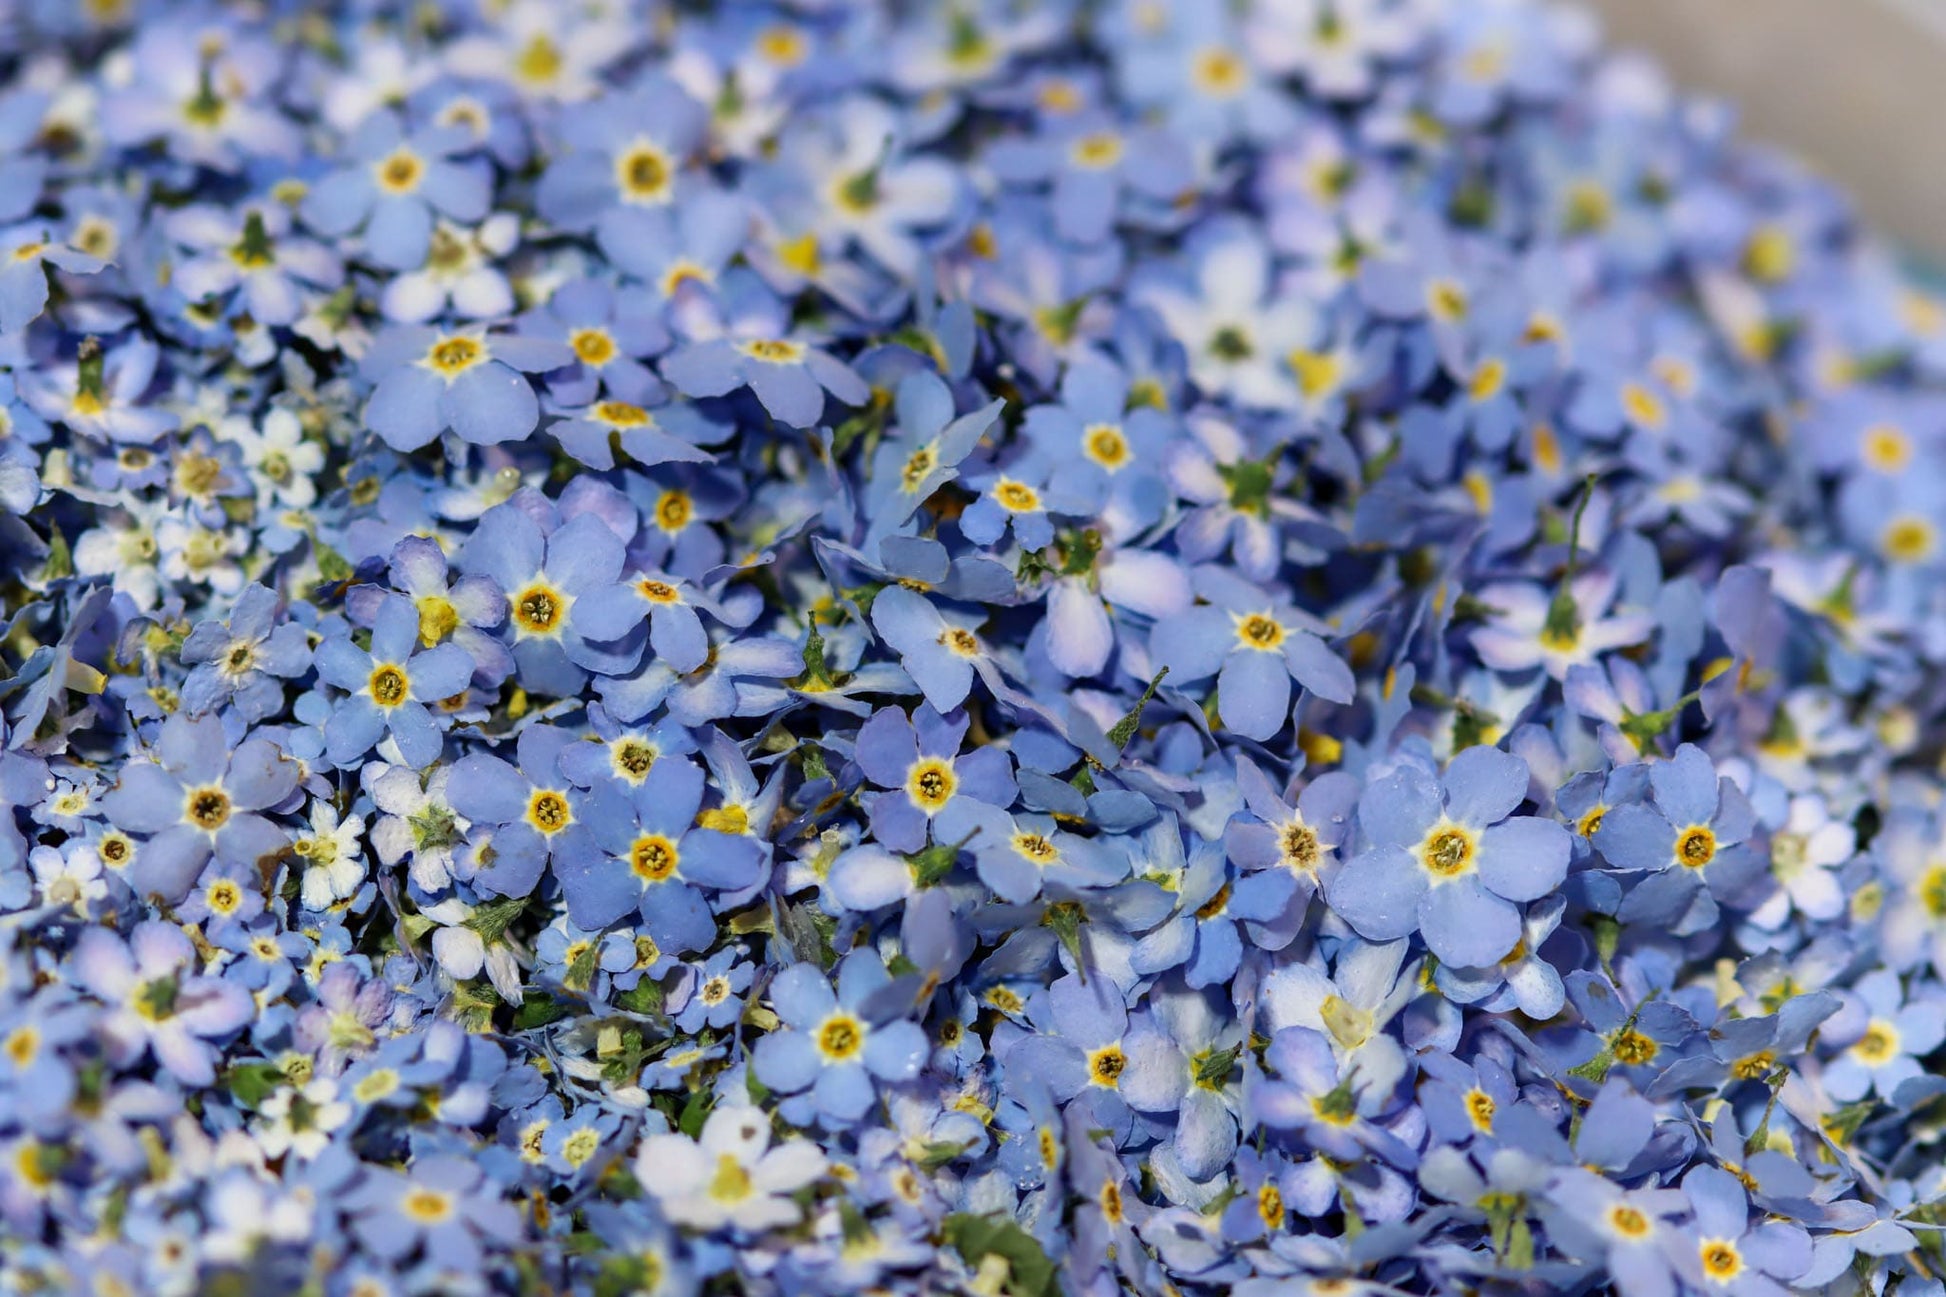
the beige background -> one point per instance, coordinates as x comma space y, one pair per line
1857, 87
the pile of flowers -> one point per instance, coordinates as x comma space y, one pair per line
973, 646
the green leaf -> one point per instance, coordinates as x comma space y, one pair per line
694, 1113
537, 1010
252, 1083
1029, 1271
1124, 730
646, 996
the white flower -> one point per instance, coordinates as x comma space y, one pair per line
334, 870
300, 1119
282, 462
730, 1175
417, 823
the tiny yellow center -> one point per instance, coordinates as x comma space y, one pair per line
1105, 1065
208, 808
1447, 851
653, 857
592, 346
538, 609
1480, 1109
549, 812
1634, 1048
400, 172
1696, 847
774, 351
1016, 497
1261, 632
1879, 1045
1097, 151
452, 357
1105, 444
931, 784
672, 510
1721, 1260
643, 174
389, 686
1036, 847
1627, 1221
841, 1037
427, 1206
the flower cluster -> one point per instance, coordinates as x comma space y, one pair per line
811, 646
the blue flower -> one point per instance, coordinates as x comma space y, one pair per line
427, 381
156, 1003
395, 182
918, 762
525, 815
625, 153
789, 375
390, 687
653, 858
1255, 652
245, 661
836, 1049
1448, 858
562, 594
1688, 841
199, 795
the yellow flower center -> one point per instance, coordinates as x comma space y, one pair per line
643, 174
208, 808
400, 172
452, 357
1016, 497
1634, 1048
1879, 1045
1908, 540
774, 351
1721, 1260
1105, 1065
389, 686
1037, 848
1097, 151
1695, 847
931, 784
1447, 851
653, 857
539, 609
841, 1037
1480, 1109
1260, 631
592, 346
1627, 1221
427, 1206
549, 812
672, 510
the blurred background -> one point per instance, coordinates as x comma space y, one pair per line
1856, 87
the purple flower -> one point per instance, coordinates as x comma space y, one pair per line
155, 1002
